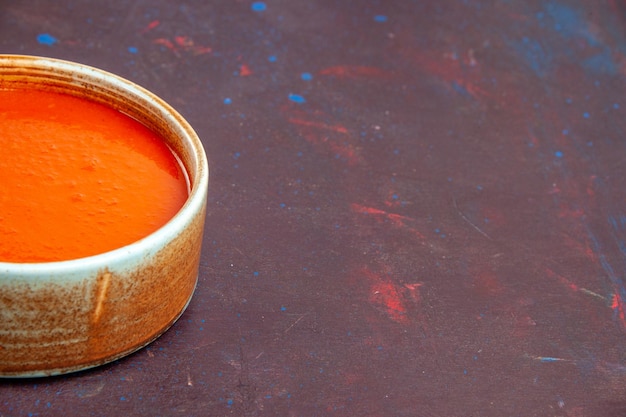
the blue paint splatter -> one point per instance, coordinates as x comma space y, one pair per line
46, 39
571, 24
283, 308
133, 50
255, 273
227, 100
306, 76
380, 18
558, 154
616, 106
258, 6
586, 115
272, 58
296, 98
566, 20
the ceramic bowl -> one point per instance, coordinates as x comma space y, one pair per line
60, 317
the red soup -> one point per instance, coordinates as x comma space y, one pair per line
78, 178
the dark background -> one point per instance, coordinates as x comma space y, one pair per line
416, 208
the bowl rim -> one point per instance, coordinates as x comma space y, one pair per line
198, 179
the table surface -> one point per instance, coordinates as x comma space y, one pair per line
416, 208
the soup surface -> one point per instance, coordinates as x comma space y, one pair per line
78, 178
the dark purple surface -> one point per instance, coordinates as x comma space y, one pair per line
416, 208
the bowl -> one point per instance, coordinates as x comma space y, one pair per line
65, 316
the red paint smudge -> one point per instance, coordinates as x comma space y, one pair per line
151, 26
184, 43
301, 122
389, 297
569, 284
386, 295
396, 220
619, 308
342, 147
244, 70
348, 71
165, 42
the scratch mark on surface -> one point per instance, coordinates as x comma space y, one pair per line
88, 393
569, 284
547, 359
101, 294
294, 323
468, 221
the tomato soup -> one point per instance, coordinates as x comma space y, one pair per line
78, 178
